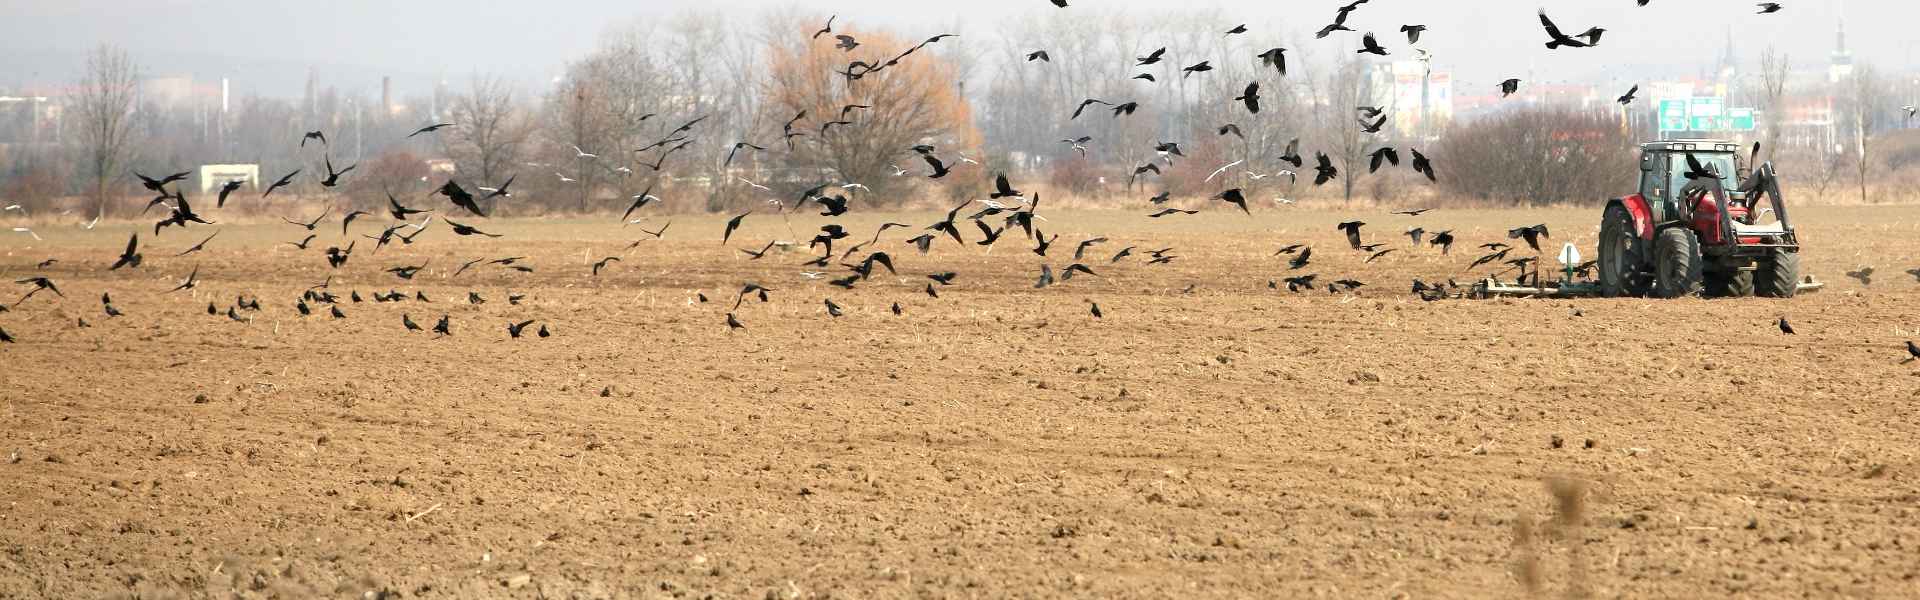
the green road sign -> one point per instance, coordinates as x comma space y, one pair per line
1707, 114
1742, 118
1673, 115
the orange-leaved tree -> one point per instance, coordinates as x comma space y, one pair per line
916, 100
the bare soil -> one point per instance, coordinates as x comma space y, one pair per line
997, 441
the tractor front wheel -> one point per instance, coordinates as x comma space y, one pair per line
1733, 283
1622, 255
1676, 253
1779, 277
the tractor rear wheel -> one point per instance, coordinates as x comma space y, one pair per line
1677, 261
1622, 255
1779, 277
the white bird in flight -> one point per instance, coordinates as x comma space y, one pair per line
578, 153
1223, 169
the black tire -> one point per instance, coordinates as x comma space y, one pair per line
1729, 284
1677, 262
1622, 255
1778, 277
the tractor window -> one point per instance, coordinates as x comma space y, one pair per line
1720, 163
1653, 172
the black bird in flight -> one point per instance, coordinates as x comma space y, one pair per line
1301, 260
1292, 155
1173, 211
1508, 87
407, 272
1865, 275
399, 212
1150, 58
333, 177
1531, 233
1422, 166
337, 257
228, 188
129, 257
430, 129
309, 225
1251, 97
193, 279
1628, 97
313, 135
1767, 8
733, 224
603, 264
1368, 45
1276, 58
1039, 55
1444, 240
1002, 189
1386, 155
460, 197
160, 185
1556, 39
1353, 232
197, 247
1413, 32
459, 229
1325, 170
1201, 67
939, 168
499, 192
283, 182
302, 244
348, 220
1236, 198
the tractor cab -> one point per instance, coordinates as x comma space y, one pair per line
1663, 172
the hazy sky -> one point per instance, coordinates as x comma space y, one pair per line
268, 44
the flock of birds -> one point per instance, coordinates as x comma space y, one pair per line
1005, 210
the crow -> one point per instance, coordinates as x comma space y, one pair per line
460, 197
129, 257
514, 329
1532, 234
1353, 232
1784, 327
1556, 39
282, 182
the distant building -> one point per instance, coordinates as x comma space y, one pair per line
214, 176
1421, 99
1842, 66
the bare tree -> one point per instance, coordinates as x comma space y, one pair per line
1773, 92
489, 131
105, 103
1867, 100
1349, 85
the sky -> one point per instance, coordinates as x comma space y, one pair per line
267, 46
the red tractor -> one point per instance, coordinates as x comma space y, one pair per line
1697, 227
